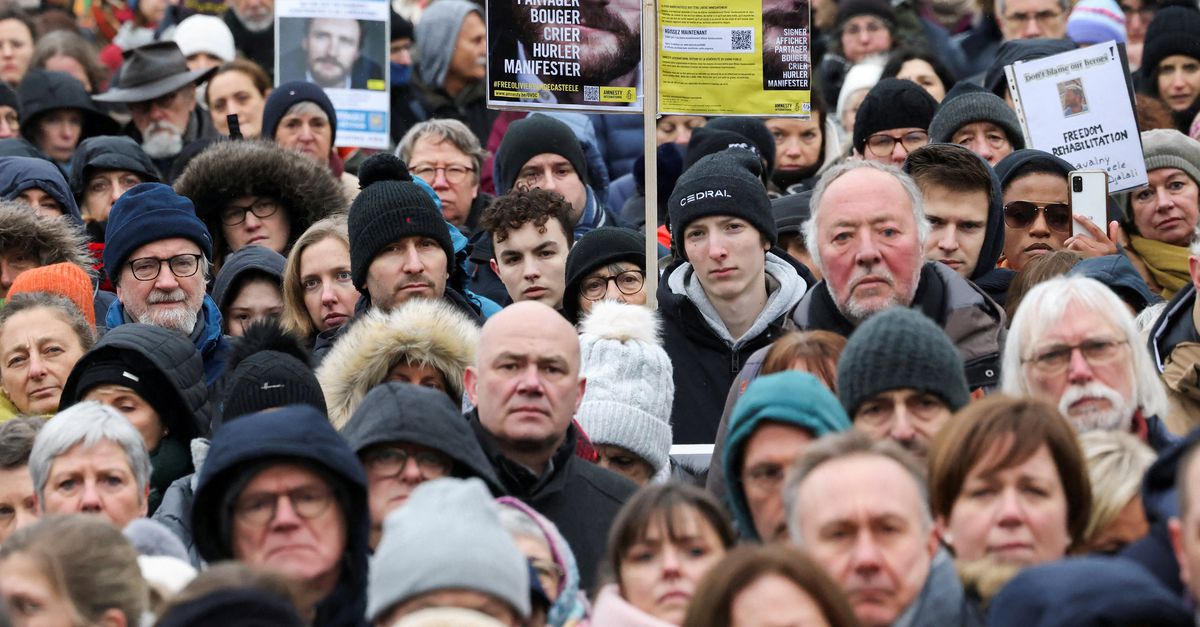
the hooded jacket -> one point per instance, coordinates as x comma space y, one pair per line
43, 91
795, 399
251, 259
18, 174
178, 381
402, 412
706, 358
296, 433
423, 331
229, 170
579, 497
972, 320
54, 241
438, 27
109, 153
207, 337
993, 242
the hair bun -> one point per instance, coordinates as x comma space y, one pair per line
382, 167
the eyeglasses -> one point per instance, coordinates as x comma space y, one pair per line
308, 502
453, 173
882, 144
261, 208
1019, 214
1041, 17
147, 268
628, 282
1097, 352
162, 102
386, 462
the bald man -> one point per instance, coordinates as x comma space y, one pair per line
525, 387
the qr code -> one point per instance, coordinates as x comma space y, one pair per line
591, 93
743, 39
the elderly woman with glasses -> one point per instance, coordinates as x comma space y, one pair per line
1038, 216
255, 193
605, 264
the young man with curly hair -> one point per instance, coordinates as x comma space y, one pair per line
530, 239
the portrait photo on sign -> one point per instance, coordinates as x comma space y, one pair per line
572, 49
785, 53
334, 53
1073, 98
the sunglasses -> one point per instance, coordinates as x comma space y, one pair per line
1019, 214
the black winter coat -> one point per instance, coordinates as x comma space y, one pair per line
580, 498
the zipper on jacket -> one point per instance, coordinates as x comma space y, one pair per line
733, 362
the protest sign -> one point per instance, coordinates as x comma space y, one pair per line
1078, 105
565, 54
342, 47
734, 57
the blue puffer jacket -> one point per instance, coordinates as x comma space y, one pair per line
214, 346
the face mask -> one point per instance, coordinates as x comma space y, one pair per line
400, 73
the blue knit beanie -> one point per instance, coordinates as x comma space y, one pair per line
790, 397
147, 213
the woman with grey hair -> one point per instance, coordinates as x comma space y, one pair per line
42, 335
89, 458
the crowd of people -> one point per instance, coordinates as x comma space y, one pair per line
883, 372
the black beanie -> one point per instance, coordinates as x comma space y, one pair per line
756, 131
390, 207
892, 103
721, 184
897, 349
130, 369
533, 136
598, 248
292, 93
8, 98
881, 9
709, 141
233, 607
792, 211
270, 379
1174, 30
400, 27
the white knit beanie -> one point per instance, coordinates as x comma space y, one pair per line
205, 33
629, 392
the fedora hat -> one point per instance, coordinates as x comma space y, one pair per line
153, 70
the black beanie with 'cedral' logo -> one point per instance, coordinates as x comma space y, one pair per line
725, 183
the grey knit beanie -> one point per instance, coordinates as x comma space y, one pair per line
1168, 148
900, 348
974, 105
627, 402
448, 536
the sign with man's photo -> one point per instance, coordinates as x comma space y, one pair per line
341, 47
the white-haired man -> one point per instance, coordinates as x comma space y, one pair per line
867, 237
1074, 343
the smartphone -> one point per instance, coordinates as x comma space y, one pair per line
1089, 197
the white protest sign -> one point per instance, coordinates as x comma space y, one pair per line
341, 47
1078, 105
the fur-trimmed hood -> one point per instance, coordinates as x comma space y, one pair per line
55, 240
231, 169
424, 330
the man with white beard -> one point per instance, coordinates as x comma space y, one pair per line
156, 252
252, 23
1073, 342
160, 91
